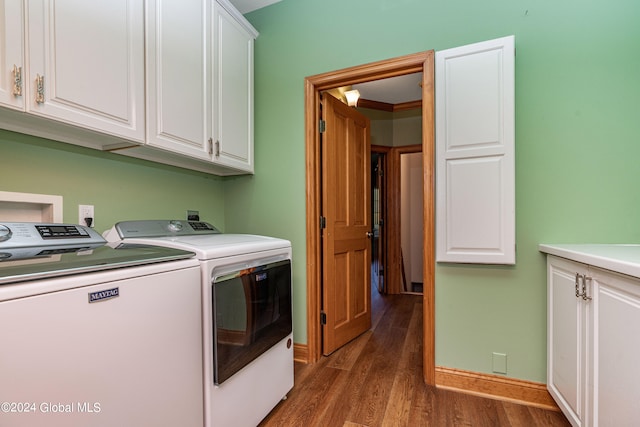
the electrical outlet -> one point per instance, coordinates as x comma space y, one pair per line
84, 212
499, 363
193, 215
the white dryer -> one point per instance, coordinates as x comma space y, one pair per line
246, 314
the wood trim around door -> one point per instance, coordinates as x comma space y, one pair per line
313, 86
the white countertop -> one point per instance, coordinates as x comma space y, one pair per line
623, 259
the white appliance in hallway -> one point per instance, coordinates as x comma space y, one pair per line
246, 306
95, 334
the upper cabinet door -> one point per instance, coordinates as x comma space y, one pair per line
179, 76
475, 154
233, 88
87, 64
12, 54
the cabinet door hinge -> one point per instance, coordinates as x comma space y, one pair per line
323, 318
323, 223
322, 126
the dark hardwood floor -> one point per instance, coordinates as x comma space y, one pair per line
376, 380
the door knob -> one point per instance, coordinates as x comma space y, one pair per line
369, 234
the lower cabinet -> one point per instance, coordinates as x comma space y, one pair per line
593, 345
616, 343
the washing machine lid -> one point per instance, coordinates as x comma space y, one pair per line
205, 240
31, 251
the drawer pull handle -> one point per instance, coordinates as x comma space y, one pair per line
17, 81
584, 288
578, 294
39, 89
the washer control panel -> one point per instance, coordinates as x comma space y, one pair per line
158, 228
31, 234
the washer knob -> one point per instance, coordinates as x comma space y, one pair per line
175, 226
5, 233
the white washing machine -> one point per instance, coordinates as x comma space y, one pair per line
246, 321
94, 334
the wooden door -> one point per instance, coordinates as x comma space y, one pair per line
346, 240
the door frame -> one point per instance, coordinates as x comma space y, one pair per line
313, 86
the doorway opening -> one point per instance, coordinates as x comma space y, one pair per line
411, 221
379, 215
421, 62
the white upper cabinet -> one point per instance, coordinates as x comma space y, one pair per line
233, 39
12, 54
199, 86
475, 153
86, 64
179, 76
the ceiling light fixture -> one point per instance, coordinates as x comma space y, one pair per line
352, 97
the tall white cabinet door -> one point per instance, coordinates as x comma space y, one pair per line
178, 76
566, 334
475, 155
12, 54
233, 92
87, 64
616, 329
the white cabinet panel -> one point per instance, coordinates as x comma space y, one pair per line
566, 352
12, 54
178, 76
472, 202
617, 350
474, 109
86, 64
199, 86
475, 154
233, 93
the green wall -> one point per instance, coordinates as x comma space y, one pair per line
119, 187
577, 144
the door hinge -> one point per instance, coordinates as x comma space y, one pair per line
323, 318
323, 223
322, 126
